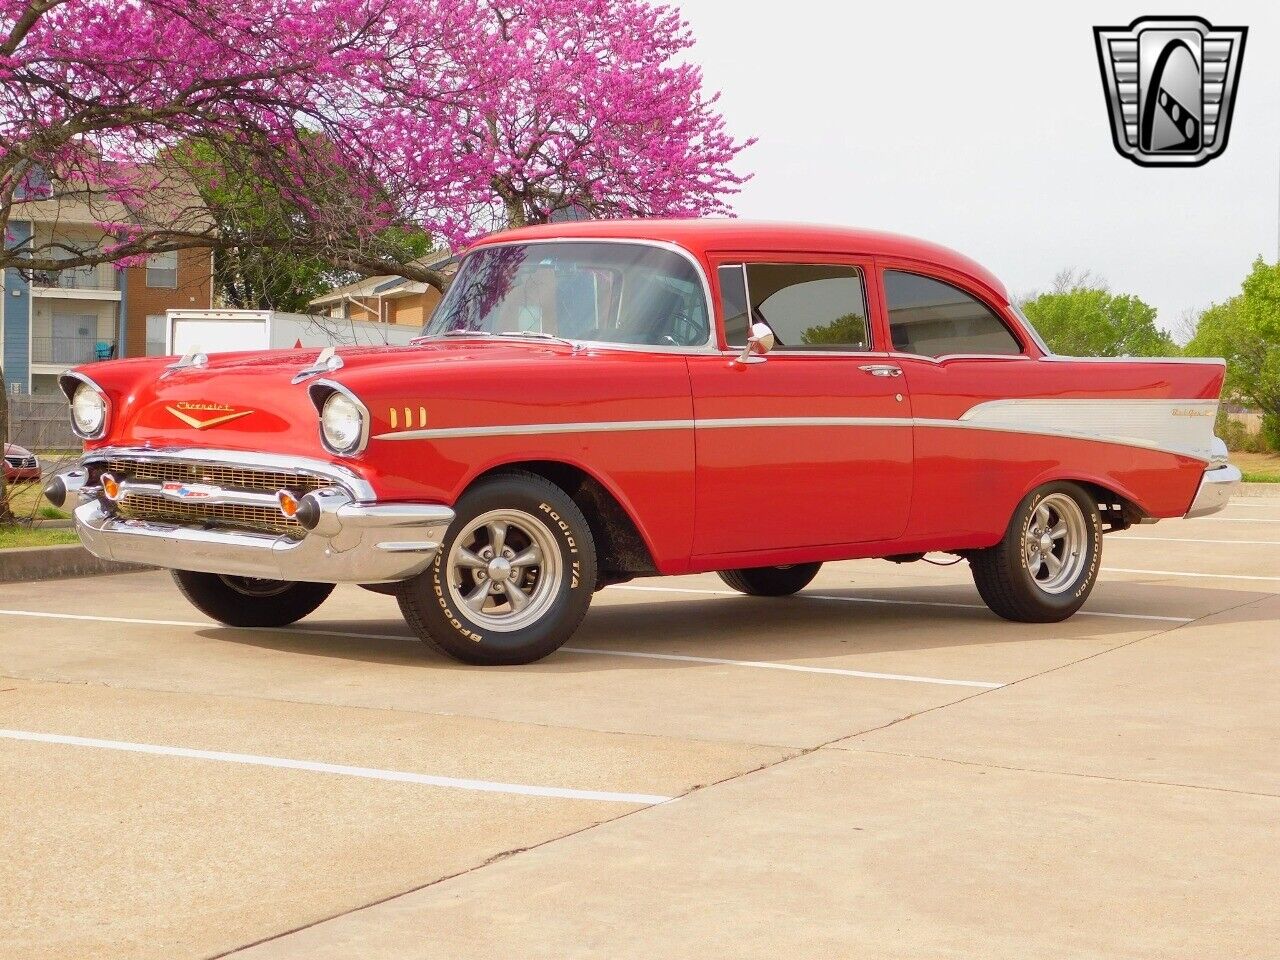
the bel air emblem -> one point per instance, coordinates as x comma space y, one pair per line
202, 416
1171, 85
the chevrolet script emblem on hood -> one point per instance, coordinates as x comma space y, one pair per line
202, 416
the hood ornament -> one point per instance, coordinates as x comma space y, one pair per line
192, 358
327, 362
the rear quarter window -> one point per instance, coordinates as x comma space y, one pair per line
931, 318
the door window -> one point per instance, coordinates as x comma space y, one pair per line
733, 303
934, 319
809, 306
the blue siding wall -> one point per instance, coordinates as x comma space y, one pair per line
17, 316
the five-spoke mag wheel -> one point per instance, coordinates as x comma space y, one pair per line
504, 569
1055, 542
513, 578
1047, 563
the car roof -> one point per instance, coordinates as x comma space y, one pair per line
702, 236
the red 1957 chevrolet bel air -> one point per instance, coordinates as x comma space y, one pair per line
601, 401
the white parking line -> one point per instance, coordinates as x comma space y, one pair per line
368, 773
643, 655
1229, 519
1179, 573
799, 668
1251, 543
896, 603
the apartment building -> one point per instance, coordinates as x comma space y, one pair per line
53, 321
385, 299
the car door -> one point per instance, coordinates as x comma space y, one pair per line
957, 351
812, 445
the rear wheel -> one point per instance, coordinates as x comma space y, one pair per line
771, 581
513, 578
248, 601
1044, 568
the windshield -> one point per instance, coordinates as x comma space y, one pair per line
598, 292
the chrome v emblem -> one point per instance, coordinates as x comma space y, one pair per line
195, 424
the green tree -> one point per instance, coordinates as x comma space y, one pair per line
1245, 331
851, 328
272, 253
1080, 317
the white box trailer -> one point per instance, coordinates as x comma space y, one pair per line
224, 331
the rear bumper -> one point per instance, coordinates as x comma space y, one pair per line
1217, 486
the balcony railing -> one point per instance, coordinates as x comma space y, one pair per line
76, 278
70, 350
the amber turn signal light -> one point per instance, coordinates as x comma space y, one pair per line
110, 487
288, 504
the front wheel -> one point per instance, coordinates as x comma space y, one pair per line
513, 578
771, 581
248, 601
1044, 568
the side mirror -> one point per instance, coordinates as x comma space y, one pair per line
759, 343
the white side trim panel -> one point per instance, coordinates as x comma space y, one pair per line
1176, 426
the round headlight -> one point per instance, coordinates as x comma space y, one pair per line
342, 423
88, 411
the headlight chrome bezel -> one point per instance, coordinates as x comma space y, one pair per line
72, 384
324, 391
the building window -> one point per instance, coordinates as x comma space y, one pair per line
162, 270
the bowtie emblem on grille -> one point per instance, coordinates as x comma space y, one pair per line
190, 491
202, 416
1170, 84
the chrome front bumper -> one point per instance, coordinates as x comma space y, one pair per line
377, 543
353, 541
1216, 488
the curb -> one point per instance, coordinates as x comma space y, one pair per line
24, 564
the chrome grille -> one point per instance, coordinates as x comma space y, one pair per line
22, 463
220, 475
145, 506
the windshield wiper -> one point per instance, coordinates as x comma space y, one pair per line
427, 337
538, 335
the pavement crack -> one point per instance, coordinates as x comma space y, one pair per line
498, 858
1012, 768
1054, 669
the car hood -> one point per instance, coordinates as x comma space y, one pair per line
249, 401
13, 450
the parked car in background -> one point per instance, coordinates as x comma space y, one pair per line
594, 402
20, 464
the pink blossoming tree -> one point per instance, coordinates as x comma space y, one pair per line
452, 117
369, 119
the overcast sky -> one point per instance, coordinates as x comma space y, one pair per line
983, 126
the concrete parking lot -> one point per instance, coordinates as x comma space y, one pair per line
877, 767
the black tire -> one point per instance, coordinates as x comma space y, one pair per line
1004, 574
247, 602
559, 590
771, 581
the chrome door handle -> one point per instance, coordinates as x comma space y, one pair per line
882, 369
